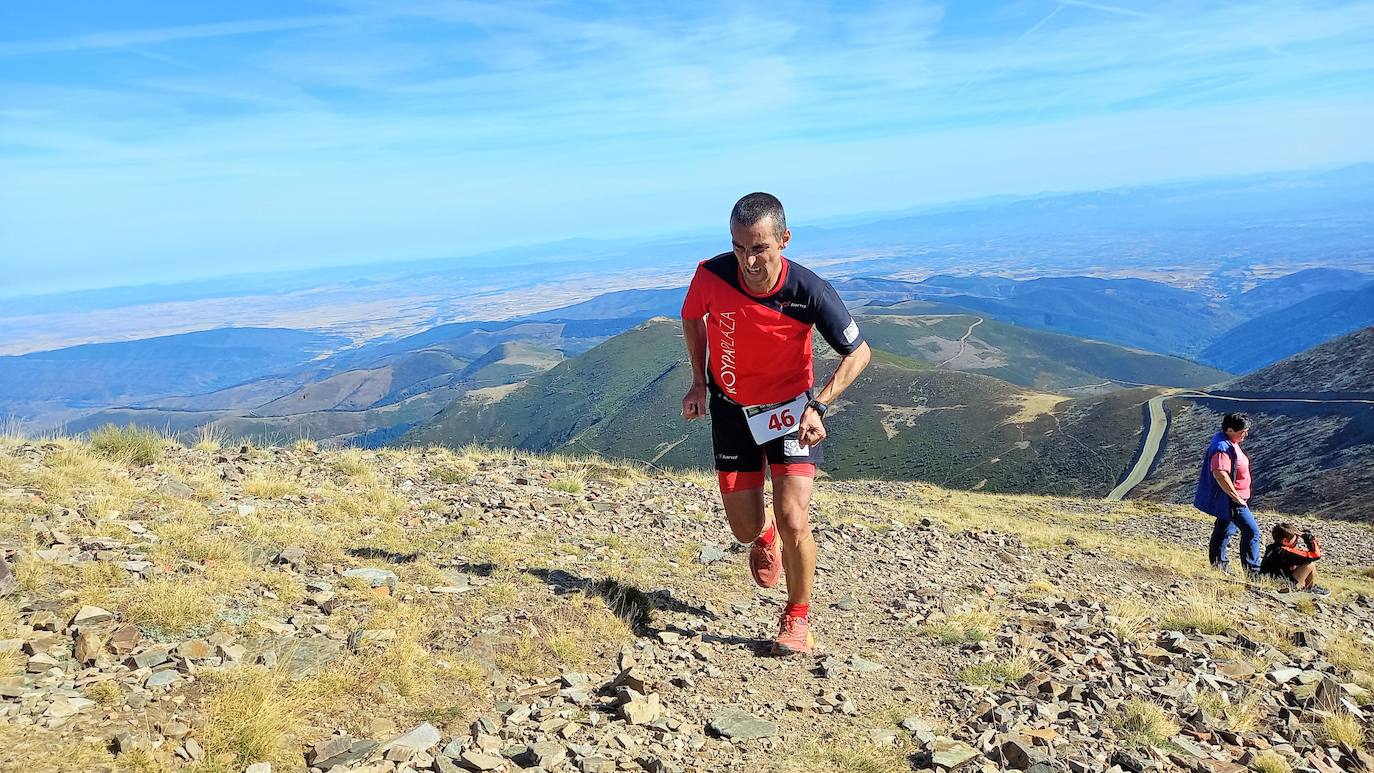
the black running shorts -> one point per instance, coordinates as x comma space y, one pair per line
736, 450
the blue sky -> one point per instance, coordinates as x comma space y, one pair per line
159, 141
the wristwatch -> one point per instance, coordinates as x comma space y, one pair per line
819, 407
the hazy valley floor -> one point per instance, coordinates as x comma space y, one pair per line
437, 610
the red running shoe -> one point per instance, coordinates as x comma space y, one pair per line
765, 561
794, 637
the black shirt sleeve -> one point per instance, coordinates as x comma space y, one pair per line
835, 323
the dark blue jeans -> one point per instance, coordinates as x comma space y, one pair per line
1241, 518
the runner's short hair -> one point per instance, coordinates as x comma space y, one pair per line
752, 209
1235, 421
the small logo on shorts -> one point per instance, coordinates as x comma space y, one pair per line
790, 447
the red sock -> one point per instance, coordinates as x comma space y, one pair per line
796, 610
769, 534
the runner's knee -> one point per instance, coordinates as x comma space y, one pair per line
794, 531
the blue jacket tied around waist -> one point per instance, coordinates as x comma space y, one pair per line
1210, 498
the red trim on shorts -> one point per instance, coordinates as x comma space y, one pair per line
799, 470
731, 482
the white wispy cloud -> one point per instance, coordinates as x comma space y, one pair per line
410, 126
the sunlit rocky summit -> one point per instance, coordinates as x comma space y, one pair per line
291, 608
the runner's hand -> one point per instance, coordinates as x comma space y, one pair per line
694, 404
811, 430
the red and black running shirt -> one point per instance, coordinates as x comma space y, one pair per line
759, 346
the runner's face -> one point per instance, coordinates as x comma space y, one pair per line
759, 251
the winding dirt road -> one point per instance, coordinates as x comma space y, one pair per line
963, 343
1157, 424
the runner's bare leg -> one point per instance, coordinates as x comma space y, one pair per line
745, 512
792, 508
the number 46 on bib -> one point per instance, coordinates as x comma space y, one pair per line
769, 422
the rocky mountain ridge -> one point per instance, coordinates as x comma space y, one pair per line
292, 609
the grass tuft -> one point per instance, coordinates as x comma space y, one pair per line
264, 487
1270, 762
172, 607
972, 626
833, 758
209, 438
996, 672
130, 444
251, 714
1144, 723
104, 693
1343, 727
1202, 612
568, 484
1239, 715
1129, 618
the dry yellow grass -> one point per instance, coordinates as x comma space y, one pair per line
130, 445
1271, 762
977, 624
1240, 714
103, 693
172, 606
1144, 723
996, 672
209, 438
1202, 610
12, 663
24, 748
836, 758
1352, 653
271, 487
251, 715
1343, 727
352, 463
568, 484
1129, 617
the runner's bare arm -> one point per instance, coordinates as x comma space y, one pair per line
812, 429
694, 332
851, 365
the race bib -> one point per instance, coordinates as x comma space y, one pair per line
770, 422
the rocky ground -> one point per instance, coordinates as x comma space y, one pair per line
291, 609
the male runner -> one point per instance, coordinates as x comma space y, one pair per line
753, 310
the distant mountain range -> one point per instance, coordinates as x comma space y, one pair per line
1288, 330
280, 383
49, 387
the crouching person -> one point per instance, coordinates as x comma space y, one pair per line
1288, 562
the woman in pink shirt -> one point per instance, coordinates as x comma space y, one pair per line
1223, 491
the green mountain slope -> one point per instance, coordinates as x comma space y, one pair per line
623, 399
1025, 356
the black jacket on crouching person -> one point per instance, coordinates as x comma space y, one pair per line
1281, 559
